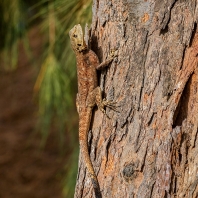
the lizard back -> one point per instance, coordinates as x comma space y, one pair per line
87, 76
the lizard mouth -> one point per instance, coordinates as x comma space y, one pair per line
82, 48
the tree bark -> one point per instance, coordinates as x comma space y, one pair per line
149, 146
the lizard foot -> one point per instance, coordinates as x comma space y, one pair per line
110, 104
106, 103
113, 53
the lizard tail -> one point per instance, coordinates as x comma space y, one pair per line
96, 188
91, 173
83, 137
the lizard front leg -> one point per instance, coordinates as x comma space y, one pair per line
110, 58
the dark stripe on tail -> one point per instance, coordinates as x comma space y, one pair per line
96, 188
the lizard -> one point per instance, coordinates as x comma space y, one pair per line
89, 94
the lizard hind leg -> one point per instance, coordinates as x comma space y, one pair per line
101, 103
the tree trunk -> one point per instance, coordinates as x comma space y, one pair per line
149, 146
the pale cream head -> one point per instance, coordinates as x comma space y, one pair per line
77, 39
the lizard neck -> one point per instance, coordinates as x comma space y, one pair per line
81, 53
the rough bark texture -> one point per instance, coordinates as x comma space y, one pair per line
149, 148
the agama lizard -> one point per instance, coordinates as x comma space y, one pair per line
89, 94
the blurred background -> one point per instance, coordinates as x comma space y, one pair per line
38, 119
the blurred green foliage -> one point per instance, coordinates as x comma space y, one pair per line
13, 27
55, 86
70, 179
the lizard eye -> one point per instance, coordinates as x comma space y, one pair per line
75, 36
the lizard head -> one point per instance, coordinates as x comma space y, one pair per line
77, 39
